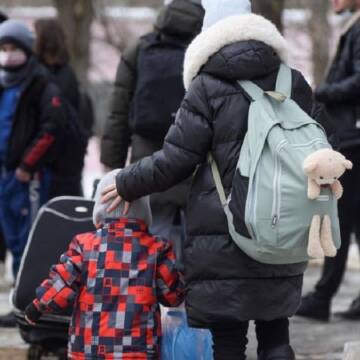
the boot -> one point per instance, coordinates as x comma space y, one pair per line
282, 352
314, 307
353, 313
8, 320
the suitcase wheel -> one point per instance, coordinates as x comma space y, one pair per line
35, 352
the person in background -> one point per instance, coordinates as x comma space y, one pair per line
340, 94
32, 118
137, 274
51, 50
3, 17
147, 94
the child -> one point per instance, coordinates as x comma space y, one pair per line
118, 275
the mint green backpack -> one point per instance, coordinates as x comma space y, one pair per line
268, 211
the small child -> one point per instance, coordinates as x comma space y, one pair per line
117, 276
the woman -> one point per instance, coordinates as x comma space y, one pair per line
225, 288
52, 51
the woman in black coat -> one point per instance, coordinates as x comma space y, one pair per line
225, 288
51, 50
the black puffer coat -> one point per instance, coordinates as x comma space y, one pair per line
341, 92
223, 284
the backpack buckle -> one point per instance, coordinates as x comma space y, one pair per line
276, 95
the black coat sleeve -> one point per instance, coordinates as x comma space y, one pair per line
186, 145
346, 90
52, 120
116, 137
303, 95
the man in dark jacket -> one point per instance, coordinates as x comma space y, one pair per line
149, 89
340, 94
225, 287
31, 121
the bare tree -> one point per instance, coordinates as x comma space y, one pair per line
271, 9
76, 17
319, 31
116, 32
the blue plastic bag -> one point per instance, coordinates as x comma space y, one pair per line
180, 342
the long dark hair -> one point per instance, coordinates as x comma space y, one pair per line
51, 42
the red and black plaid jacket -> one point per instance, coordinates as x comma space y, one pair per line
118, 276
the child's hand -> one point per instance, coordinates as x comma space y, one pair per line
32, 314
22, 175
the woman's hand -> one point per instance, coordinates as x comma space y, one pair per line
110, 194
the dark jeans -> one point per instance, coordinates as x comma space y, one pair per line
230, 342
334, 268
19, 203
2, 247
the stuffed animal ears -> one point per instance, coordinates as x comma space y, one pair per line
309, 166
348, 164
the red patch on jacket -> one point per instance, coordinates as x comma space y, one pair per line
55, 101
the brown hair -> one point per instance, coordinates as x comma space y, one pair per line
51, 45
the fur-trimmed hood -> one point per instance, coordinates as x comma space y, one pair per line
230, 31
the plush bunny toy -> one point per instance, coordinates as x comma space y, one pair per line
324, 168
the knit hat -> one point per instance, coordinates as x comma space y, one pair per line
139, 209
216, 10
17, 32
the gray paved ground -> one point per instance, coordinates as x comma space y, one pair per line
312, 340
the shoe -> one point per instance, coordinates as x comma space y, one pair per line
8, 320
314, 307
353, 313
282, 352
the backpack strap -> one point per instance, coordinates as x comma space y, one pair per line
217, 180
284, 81
254, 91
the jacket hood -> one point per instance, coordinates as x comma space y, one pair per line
181, 19
261, 42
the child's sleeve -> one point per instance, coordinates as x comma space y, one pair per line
169, 282
58, 291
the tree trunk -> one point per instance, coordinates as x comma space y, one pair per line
271, 9
319, 30
76, 17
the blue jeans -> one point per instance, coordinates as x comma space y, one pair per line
19, 203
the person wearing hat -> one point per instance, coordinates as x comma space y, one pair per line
147, 94
225, 288
119, 275
31, 116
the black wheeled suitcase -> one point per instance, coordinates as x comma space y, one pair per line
55, 226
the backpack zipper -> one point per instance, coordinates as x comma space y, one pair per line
275, 214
